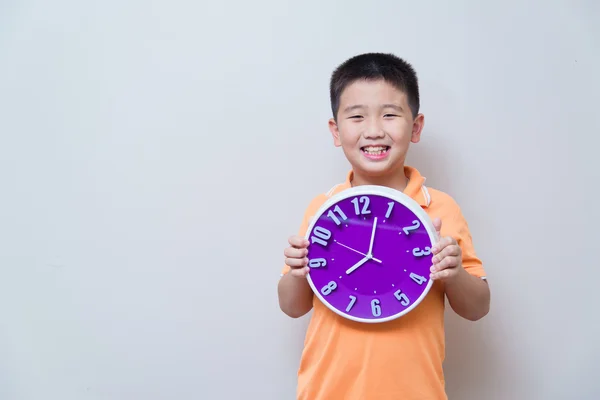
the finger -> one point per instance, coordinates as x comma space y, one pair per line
448, 251
445, 274
296, 262
442, 243
293, 252
446, 263
300, 271
437, 224
298, 242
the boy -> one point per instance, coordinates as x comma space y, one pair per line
375, 104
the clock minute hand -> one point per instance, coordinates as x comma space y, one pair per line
370, 252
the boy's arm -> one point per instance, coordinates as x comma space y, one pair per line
295, 295
467, 293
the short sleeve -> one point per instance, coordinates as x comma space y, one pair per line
310, 211
471, 262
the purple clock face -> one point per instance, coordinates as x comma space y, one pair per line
370, 254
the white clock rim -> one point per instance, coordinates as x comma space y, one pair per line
392, 194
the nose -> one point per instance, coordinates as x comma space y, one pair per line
374, 130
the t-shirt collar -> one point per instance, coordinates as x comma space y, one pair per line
415, 187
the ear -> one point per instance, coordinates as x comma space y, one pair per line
417, 128
333, 128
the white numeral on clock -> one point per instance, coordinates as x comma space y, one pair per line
338, 210
365, 208
317, 263
416, 224
321, 236
351, 304
389, 210
417, 278
417, 252
330, 287
402, 298
375, 308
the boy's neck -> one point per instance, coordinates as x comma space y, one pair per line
396, 180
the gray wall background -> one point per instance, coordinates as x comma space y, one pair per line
134, 260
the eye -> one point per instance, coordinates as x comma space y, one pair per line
390, 115
355, 117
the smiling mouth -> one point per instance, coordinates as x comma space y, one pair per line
375, 150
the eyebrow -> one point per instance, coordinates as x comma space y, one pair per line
353, 108
394, 106
359, 106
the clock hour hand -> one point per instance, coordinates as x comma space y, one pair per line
356, 251
358, 264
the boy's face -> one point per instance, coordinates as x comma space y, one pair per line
375, 127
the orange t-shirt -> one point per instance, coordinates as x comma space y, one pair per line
400, 359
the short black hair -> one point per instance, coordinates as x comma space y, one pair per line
374, 66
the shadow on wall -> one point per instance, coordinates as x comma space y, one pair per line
472, 363
436, 159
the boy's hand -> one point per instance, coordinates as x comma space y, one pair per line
447, 260
296, 255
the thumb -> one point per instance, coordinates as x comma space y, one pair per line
437, 224
300, 272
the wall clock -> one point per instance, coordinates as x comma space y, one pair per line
370, 253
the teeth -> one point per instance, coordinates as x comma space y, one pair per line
375, 150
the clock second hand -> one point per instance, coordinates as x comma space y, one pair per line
356, 251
